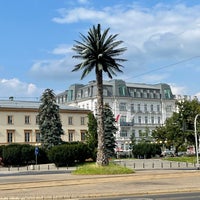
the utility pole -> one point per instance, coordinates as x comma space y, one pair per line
196, 140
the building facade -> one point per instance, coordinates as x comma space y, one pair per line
19, 122
138, 108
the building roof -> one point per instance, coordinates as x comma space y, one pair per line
32, 105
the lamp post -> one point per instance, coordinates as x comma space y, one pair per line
196, 141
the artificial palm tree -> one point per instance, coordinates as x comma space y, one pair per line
98, 51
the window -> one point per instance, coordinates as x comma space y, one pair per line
10, 136
169, 108
132, 107
122, 90
158, 108
146, 120
105, 92
158, 120
145, 107
122, 106
37, 119
152, 120
10, 119
83, 133
139, 119
27, 119
70, 120
144, 95
122, 146
139, 109
151, 107
71, 136
82, 120
151, 95
167, 93
122, 119
69, 95
37, 136
133, 133
123, 133
138, 94
140, 133
27, 136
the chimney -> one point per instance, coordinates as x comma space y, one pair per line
11, 98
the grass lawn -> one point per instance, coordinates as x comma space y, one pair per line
188, 159
93, 169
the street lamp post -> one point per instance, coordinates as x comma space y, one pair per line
196, 141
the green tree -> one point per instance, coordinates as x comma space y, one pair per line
110, 131
49, 120
178, 130
99, 52
91, 135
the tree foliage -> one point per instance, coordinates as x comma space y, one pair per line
178, 130
49, 120
146, 150
68, 154
98, 51
91, 135
110, 131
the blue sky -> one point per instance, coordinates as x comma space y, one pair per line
162, 40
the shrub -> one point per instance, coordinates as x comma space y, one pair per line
12, 154
22, 154
27, 154
68, 154
146, 150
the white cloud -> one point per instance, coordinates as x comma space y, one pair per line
74, 15
153, 78
14, 87
83, 1
163, 30
62, 49
177, 90
155, 37
53, 70
198, 95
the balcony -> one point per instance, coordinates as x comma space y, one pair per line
126, 123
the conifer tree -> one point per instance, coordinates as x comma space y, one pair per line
49, 120
110, 131
91, 136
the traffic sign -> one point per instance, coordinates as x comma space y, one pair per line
36, 151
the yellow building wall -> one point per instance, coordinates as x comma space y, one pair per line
19, 127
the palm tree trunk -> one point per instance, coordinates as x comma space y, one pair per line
102, 159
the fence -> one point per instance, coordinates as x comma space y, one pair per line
154, 164
43, 167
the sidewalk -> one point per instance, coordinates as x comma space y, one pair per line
154, 164
135, 164
34, 168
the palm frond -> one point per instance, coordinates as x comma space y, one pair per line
99, 51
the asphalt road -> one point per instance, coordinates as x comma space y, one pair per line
174, 196
67, 186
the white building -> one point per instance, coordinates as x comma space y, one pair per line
19, 124
139, 108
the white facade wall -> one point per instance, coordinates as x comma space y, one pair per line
142, 107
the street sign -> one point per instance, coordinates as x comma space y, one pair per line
36, 151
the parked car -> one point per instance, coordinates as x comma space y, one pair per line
169, 153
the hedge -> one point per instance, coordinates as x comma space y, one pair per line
68, 154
